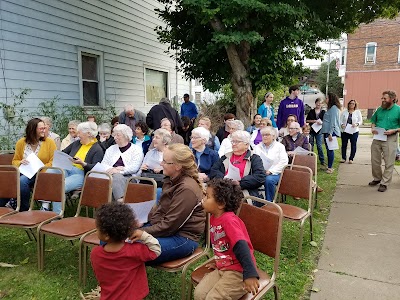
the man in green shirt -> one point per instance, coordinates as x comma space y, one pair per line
387, 116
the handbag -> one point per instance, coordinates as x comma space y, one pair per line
158, 177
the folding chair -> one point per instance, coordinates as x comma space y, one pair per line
6, 157
134, 193
9, 188
31, 219
96, 192
296, 181
264, 225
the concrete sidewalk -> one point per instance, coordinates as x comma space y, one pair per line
360, 258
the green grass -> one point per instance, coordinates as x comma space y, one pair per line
59, 280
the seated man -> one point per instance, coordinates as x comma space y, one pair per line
294, 139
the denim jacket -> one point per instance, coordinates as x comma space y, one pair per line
207, 159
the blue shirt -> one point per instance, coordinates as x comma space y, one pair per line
189, 109
207, 159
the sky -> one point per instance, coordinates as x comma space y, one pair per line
315, 63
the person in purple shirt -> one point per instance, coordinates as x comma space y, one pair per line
291, 106
188, 108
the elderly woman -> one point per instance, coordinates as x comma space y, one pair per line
34, 142
85, 153
122, 159
213, 141
104, 132
266, 110
72, 134
204, 156
178, 221
142, 139
284, 131
256, 137
274, 157
241, 165
226, 145
294, 139
48, 133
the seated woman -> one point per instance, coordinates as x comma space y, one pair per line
178, 221
34, 142
294, 139
256, 137
284, 131
142, 139
255, 125
72, 134
274, 157
204, 156
226, 145
122, 159
86, 152
245, 168
104, 132
213, 141
48, 133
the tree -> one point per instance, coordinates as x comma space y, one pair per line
254, 43
335, 83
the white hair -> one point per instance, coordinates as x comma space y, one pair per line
46, 120
270, 130
237, 124
89, 127
125, 130
105, 127
74, 123
165, 135
204, 133
128, 107
295, 124
241, 135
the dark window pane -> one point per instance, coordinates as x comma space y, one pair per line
89, 67
90, 94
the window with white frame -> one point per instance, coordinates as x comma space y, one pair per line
156, 85
370, 53
343, 56
197, 97
91, 78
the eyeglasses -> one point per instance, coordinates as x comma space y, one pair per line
41, 128
167, 163
266, 134
195, 137
292, 128
351, 103
236, 142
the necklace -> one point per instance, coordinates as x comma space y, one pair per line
237, 159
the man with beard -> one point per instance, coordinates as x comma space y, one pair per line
387, 116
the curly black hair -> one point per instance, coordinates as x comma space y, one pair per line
226, 193
117, 220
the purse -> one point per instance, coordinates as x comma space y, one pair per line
158, 177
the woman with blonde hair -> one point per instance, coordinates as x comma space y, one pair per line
178, 220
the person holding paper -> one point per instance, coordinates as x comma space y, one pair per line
274, 157
34, 142
387, 116
72, 134
315, 116
241, 165
350, 121
331, 126
294, 139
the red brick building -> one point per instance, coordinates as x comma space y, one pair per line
373, 62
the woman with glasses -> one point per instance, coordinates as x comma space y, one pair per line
226, 145
350, 120
284, 131
316, 115
294, 139
256, 137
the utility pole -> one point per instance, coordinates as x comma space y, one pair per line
327, 72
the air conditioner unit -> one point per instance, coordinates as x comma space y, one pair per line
369, 59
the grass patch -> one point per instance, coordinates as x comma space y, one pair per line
59, 280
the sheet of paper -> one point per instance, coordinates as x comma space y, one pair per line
99, 167
317, 127
380, 136
301, 151
332, 145
142, 210
34, 165
350, 129
233, 172
62, 160
153, 164
267, 162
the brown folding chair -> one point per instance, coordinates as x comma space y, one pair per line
134, 193
96, 191
9, 188
31, 219
264, 225
6, 157
296, 181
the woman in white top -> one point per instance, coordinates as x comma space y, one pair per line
350, 120
274, 157
226, 145
122, 159
256, 137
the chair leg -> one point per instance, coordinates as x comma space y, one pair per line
311, 228
28, 234
300, 240
80, 263
84, 265
39, 251
190, 290
276, 292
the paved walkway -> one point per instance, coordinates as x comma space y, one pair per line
360, 258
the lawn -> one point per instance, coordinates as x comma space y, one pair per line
59, 280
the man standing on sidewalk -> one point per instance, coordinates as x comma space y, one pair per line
387, 116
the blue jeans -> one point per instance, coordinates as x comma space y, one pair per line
270, 186
318, 139
159, 192
25, 188
353, 144
330, 153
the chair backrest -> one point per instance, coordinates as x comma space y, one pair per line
49, 186
9, 183
6, 158
96, 190
309, 160
264, 225
140, 192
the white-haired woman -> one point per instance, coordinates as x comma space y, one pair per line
72, 134
204, 156
122, 159
226, 145
85, 153
48, 133
241, 165
274, 157
104, 132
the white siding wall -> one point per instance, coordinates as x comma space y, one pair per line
39, 42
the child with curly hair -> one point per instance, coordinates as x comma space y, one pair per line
235, 272
120, 266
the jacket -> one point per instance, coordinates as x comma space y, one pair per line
132, 158
161, 111
356, 118
46, 152
94, 155
313, 116
138, 116
331, 122
207, 160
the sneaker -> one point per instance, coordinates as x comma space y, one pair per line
44, 208
323, 167
329, 170
319, 189
342, 160
350, 161
12, 204
374, 182
382, 188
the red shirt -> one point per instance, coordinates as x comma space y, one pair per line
122, 275
226, 231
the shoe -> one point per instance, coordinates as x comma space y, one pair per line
350, 161
44, 209
330, 170
12, 204
75, 195
323, 167
374, 182
342, 160
382, 188
319, 189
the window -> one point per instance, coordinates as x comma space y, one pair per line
91, 81
370, 53
343, 56
197, 97
156, 85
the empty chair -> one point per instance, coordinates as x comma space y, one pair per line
310, 161
9, 188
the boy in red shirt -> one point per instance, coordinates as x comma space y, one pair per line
119, 266
235, 271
